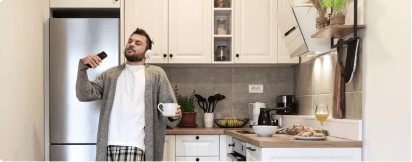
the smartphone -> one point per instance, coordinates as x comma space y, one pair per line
102, 56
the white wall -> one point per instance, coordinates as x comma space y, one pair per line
387, 80
21, 80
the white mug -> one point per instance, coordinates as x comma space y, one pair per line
169, 109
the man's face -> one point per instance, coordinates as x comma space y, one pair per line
136, 48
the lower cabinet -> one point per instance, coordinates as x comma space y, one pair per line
254, 153
193, 148
169, 151
197, 145
197, 158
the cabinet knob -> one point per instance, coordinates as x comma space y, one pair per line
197, 159
171, 55
237, 55
164, 55
250, 148
232, 145
197, 137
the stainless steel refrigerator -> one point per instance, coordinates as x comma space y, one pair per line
73, 124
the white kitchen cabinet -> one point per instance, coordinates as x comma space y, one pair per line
197, 158
226, 147
155, 23
85, 3
283, 54
169, 151
254, 153
255, 31
181, 29
197, 145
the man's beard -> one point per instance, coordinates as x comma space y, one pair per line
136, 57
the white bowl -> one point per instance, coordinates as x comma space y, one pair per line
265, 130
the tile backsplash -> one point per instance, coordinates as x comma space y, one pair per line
232, 82
313, 82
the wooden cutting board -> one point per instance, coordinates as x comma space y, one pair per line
338, 107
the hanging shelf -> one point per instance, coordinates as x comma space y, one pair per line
335, 31
340, 31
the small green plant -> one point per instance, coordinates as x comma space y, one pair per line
187, 104
335, 4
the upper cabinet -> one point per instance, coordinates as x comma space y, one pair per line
201, 31
255, 31
85, 3
181, 29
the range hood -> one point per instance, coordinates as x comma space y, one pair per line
297, 25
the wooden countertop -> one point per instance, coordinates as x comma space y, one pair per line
276, 141
201, 130
289, 141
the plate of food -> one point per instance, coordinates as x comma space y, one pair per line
310, 135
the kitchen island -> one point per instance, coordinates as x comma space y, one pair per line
276, 141
277, 147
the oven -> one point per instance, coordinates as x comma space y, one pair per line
238, 150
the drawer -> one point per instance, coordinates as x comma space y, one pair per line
197, 158
85, 3
197, 145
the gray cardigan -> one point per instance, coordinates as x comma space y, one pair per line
157, 90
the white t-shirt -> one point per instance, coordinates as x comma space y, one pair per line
127, 122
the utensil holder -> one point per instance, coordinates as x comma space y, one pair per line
209, 120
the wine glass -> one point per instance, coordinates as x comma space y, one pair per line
321, 114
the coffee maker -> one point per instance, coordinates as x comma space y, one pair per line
254, 111
288, 103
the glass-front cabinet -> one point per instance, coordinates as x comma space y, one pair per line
222, 31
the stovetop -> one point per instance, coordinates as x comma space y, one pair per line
246, 132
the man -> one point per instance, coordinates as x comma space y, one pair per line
131, 128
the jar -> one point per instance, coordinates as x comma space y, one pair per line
221, 53
220, 3
221, 27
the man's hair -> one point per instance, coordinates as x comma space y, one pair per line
143, 33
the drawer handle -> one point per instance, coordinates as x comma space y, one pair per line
250, 148
197, 137
232, 145
164, 55
237, 55
171, 55
197, 159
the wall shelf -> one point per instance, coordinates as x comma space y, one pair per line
335, 31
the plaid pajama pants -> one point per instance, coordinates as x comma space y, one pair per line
124, 153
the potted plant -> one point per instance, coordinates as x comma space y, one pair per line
321, 19
187, 106
337, 17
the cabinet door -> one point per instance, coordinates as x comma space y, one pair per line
169, 152
197, 158
197, 145
229, 147
84, 4
190, 31
152, 16
283, 54
255, 31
